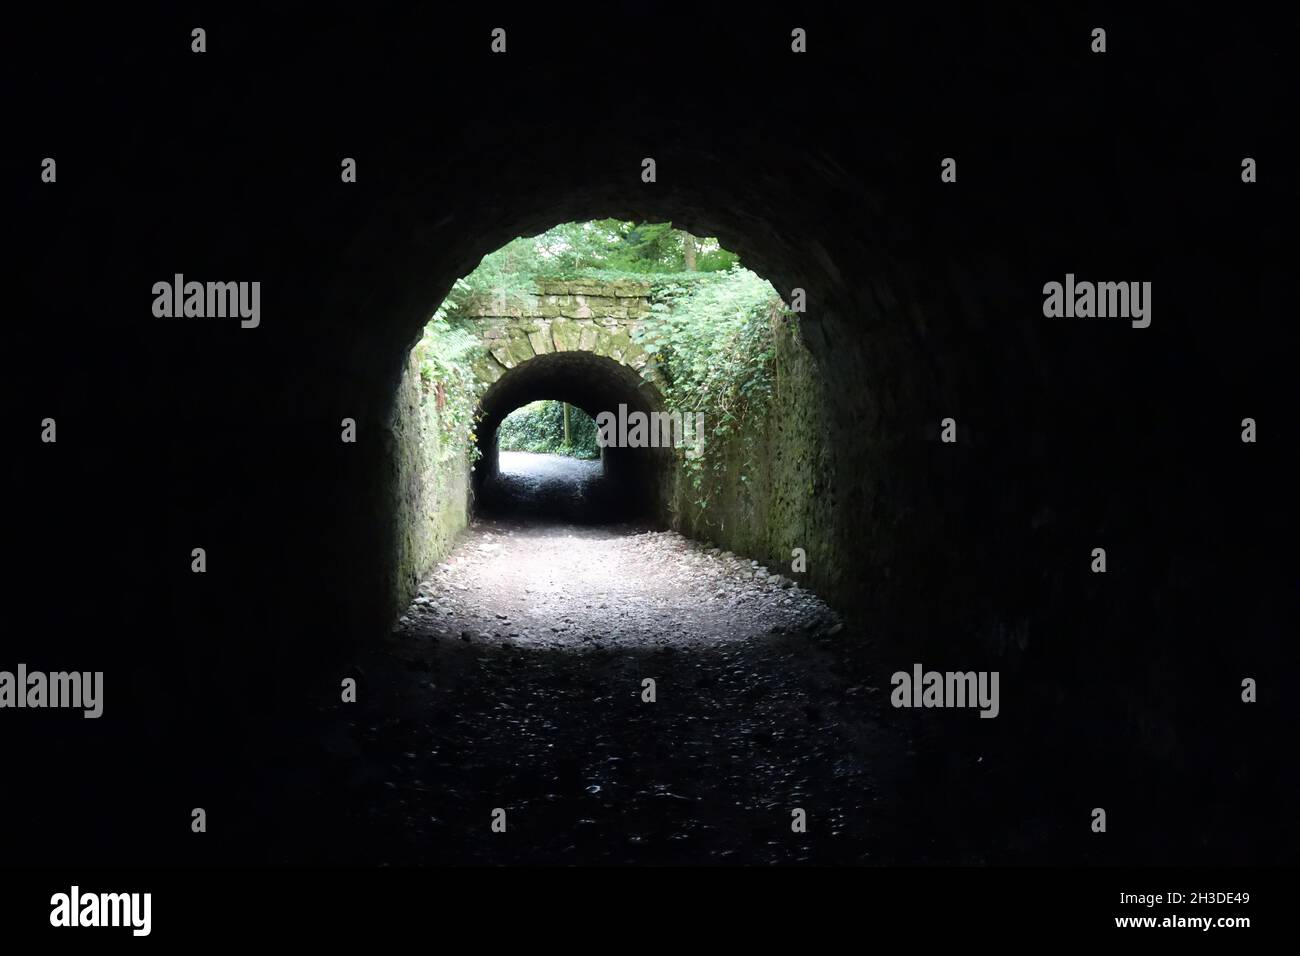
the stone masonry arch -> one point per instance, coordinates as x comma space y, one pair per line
573, 341
600, 318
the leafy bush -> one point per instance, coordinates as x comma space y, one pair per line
539, 427
603, 249
713, 336
445, 354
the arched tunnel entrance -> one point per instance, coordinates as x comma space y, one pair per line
631, 483
971, 454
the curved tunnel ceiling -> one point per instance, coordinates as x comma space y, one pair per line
585, 380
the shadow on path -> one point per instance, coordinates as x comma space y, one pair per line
531, 485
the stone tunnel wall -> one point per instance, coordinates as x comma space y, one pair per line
430, 485
772, 489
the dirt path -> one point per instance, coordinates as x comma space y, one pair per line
564, 586
517, 681
548, 487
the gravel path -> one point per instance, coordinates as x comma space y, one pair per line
564, 586
516, 681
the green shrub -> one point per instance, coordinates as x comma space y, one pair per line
539, 427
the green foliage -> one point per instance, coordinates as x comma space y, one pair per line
539, 427
445, 354
606, 249
713, 337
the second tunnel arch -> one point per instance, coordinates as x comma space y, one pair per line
565, 338
574, 341
637, 478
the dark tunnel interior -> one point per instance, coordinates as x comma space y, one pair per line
924, 302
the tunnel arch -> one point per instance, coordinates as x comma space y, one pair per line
870, 329
923, 303
912, 315
594, 383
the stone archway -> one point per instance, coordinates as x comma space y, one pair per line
574, 341
639, 479
565, 316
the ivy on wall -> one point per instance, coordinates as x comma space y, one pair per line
445, 354
713, 337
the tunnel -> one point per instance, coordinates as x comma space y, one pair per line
923, 305
632, 479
